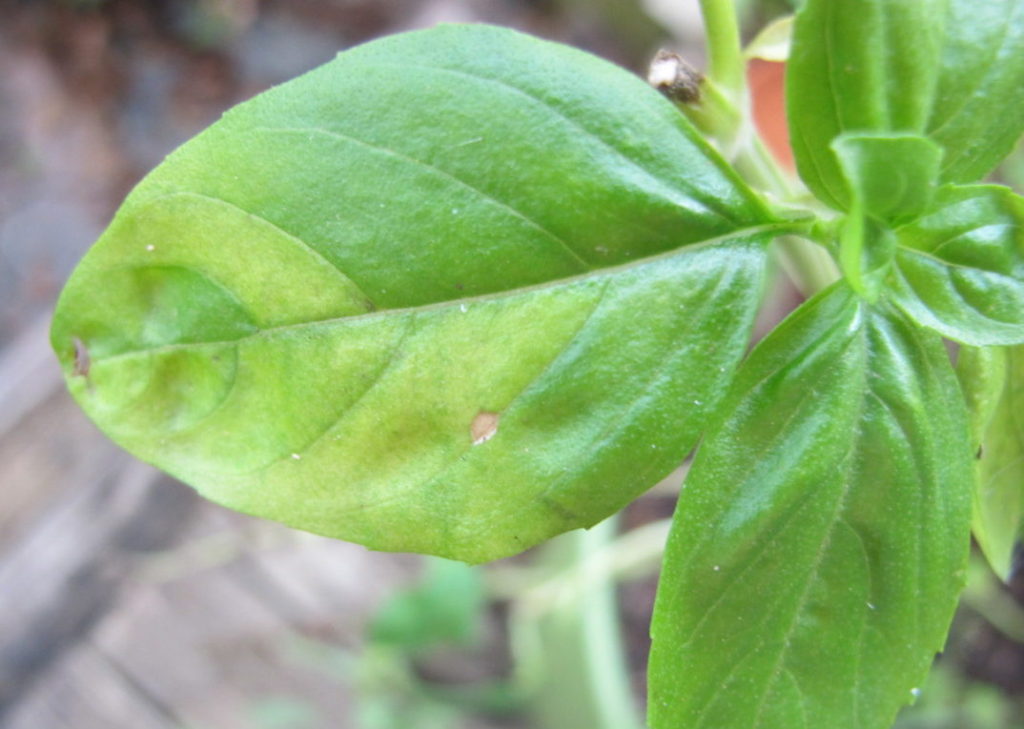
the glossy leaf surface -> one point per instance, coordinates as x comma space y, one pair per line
434, 296
960, 269
993, 380
948, 69
821, 537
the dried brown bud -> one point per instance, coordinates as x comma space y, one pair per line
675, 78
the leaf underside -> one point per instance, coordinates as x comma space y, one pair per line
443, 294
993, 382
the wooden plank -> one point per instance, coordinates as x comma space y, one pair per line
53, 450
29, 374
88, 691
61, 578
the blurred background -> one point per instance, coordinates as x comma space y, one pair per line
127, 601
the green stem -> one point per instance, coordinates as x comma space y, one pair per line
807, 263
717, 115
759, 168
565, 636
726, 117
725, 54
637, 553
987, 597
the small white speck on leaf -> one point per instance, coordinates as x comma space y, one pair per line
463, 308
455, 211
484, 427
716, 568
697, 402
474, 140
296, 456
151, 247
871, 606
915, 692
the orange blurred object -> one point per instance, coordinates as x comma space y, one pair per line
767, 89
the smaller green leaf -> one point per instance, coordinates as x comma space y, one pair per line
860, 66
822, 534
950, 70
891, 176
982, 375
978, 108
890, 179
444, 608
960, 269
993, 382
773, 42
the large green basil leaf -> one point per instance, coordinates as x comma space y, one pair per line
993, 381
948, 69
960, 269
434, 296
822, 535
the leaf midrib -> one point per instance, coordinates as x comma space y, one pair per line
739, 236
837, 517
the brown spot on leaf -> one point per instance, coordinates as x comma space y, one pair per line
81, 366
484, 427
563, 511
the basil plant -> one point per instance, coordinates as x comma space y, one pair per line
460, 290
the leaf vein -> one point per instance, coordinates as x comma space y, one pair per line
435, 170
708, 203
400, 495
819, 558
392, 359
610, 271
212, 199
967, 97
613, 427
